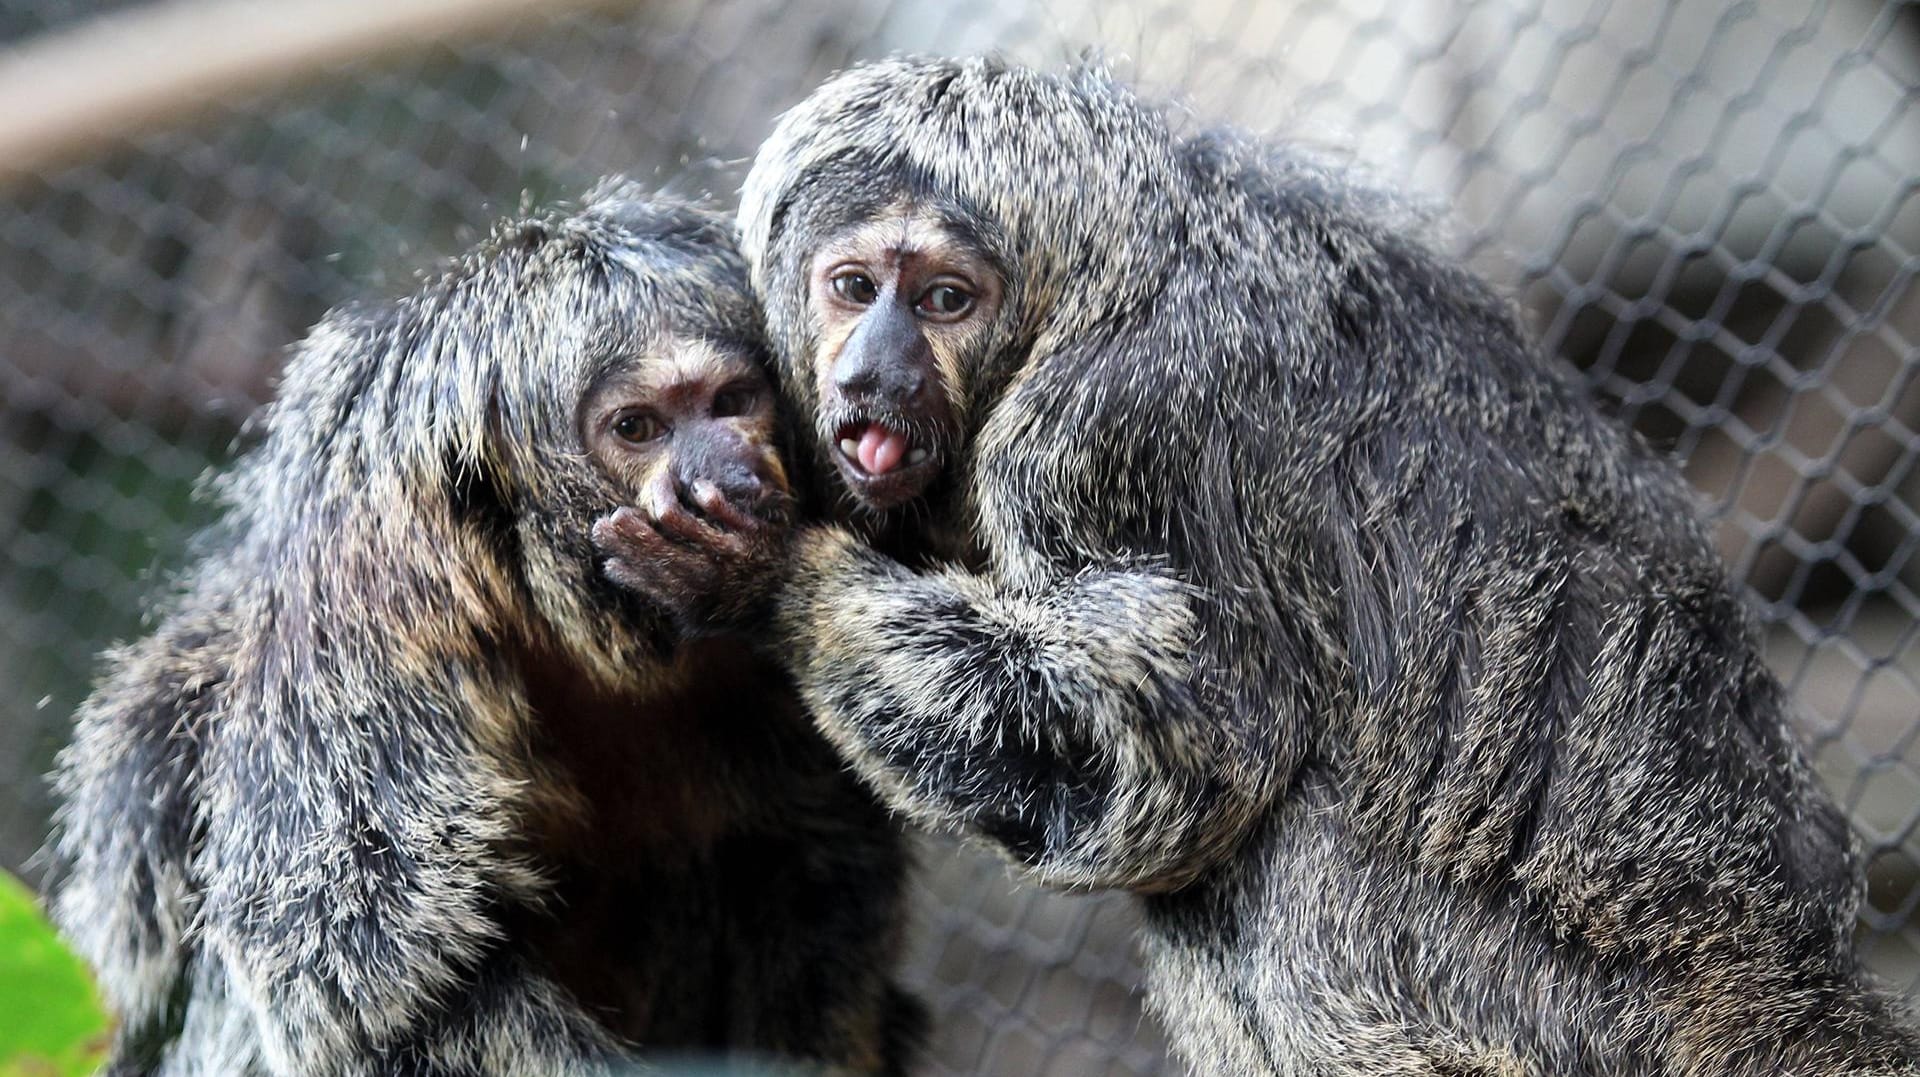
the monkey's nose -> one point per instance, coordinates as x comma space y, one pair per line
874, 384
743, 484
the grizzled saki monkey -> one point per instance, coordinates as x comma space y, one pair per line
402, 784
1227, 545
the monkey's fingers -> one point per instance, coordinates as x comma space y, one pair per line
637, 550
661, 495
687, 527
622, 533
664, 575
635, 576
721, 509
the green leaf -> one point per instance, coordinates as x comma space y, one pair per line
53, 1025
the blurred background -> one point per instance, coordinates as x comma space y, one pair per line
1711, 208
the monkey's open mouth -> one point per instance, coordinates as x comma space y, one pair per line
878, 450
884, 465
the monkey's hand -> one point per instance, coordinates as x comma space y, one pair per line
710, 569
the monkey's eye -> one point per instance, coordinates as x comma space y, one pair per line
638, 427
728, 403
945, 301
856, 287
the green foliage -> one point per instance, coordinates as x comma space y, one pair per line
51, 1023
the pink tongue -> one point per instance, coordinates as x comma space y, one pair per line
881, 450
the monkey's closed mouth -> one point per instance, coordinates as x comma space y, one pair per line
773, 508
884, 465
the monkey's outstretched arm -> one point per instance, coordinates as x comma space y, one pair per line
1066, 724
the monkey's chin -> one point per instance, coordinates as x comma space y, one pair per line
891, 490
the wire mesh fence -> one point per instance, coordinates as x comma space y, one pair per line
1712, 209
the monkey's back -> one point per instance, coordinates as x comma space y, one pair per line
1552, 805
1541, 788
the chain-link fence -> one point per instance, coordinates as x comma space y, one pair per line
1711, 208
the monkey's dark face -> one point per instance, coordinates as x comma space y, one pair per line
902, 308
690, 423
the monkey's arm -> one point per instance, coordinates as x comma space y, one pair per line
118, 883
355, 870
1066, 723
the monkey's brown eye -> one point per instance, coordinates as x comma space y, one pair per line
856, 288
731, 402
945, 300
638, 428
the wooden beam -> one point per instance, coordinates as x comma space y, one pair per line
74, 91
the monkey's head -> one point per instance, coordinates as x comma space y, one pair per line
574, 362
917, 228
902, 305
690, 419
641, 362
654, 347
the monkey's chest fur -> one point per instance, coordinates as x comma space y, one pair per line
705, 848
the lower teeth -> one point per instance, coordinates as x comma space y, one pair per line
917, 456
850, 448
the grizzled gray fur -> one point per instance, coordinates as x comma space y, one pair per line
402, 784
1208, 535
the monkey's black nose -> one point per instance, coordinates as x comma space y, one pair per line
739, 469
871, 384
741, 485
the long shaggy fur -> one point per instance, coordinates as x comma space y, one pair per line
1296, 593
340, 813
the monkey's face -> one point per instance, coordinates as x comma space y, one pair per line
901, 306
691, 421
